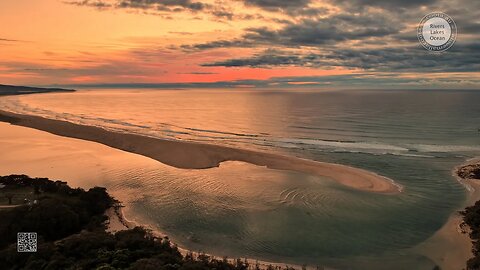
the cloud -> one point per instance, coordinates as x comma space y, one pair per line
96, 3
317, 32
244, 43
348, 81
288, 6
162, 5
460, 58
112, 68
218, 9
310, 32
268, 4
156, 5
9, 40
390, 4
269, 58
165, 8
369, 36
198, 73
181, 33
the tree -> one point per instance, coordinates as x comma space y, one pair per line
36, 189
9, 196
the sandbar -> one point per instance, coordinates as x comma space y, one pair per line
191, 155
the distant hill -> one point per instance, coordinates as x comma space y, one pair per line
21, 90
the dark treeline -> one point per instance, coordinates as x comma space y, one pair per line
471, 216
70, 224
470, 171
60, 210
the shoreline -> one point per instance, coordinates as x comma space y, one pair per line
190, 155
42, 142
454, 233
451, 234
118, 222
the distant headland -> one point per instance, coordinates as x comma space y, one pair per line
7, 90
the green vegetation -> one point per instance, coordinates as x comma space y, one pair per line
471, 216
70, 224
52, 209
471, 171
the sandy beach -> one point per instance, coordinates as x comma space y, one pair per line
33, 147
454, 233
40, 154
188, 155
118, 222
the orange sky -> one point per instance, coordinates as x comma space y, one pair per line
46, 42
52, 42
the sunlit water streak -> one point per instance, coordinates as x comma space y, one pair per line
414, 137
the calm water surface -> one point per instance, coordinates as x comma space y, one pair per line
413, 137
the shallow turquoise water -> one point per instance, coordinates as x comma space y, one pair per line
413, 137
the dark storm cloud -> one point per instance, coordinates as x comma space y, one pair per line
460, 58
316, 32
310, 33
469, 27
383, 31
267, 59
268, 4
155, 5
162, 4
289, 7
392, 26
165, 8
386, 40
388, 4
220, 44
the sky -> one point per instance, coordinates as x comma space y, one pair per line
235, 43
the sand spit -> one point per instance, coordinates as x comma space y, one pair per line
189, 155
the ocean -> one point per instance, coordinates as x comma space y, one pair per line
414, 137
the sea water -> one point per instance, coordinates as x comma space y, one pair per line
241, 210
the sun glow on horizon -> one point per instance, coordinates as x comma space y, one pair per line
109, 41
